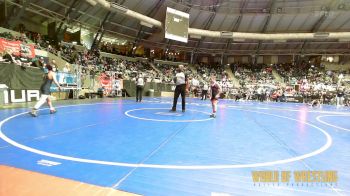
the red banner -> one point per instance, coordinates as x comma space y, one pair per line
17, 48
105, 82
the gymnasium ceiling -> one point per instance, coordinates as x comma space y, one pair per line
261, 16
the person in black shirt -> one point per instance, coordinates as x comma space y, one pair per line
181, 82
46, 92
340, 97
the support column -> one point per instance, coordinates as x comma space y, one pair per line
16, 19
100, 32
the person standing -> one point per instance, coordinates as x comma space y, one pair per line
205, 91
340, 79
54, 65
340, 97
140, 83
215, 93
66, 68
182, 85
45, 91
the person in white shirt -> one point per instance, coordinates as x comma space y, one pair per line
66, 68
340, 79
54, 65
140, 83
205, 91
182, 85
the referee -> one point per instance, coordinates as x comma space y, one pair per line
181, 82
139, 87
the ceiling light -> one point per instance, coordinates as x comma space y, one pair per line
195, 36
119, 8
146, 24
226, 34
91, 2
321, 35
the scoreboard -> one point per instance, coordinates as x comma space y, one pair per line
176, 25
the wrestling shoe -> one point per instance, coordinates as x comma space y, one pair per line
34, 113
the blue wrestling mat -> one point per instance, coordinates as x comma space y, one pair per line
145, 149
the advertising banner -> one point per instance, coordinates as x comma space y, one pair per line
17, 48
106, 83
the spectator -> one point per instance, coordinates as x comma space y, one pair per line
66, 68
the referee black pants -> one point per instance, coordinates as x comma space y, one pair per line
204, 94
180, 89
139, 91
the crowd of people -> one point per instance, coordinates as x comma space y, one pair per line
256, 82
300, 83
312, 84
315, 84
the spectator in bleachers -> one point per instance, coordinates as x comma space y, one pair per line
11, 58
66, 68
252, 78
